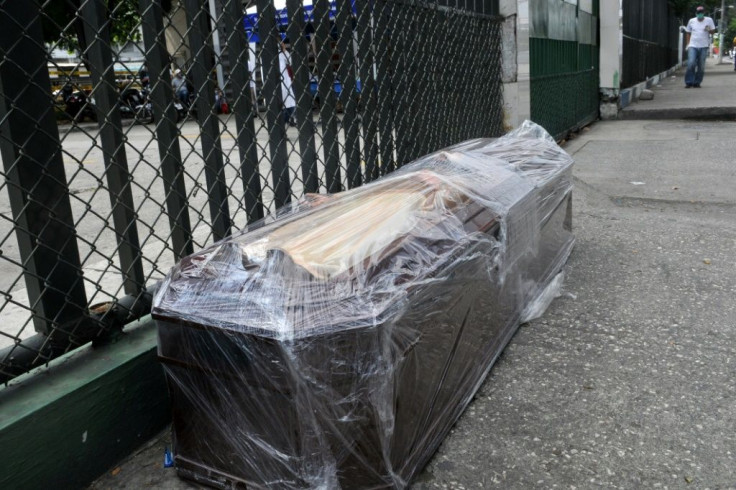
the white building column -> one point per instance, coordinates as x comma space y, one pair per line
176, 44
611, 47
515, 64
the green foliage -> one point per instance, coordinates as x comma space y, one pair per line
685, 9
730, 33
62, 25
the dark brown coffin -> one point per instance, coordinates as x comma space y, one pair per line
286, 373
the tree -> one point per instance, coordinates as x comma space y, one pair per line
729, 34
62, 26
685, 9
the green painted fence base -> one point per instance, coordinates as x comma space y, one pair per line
63, 426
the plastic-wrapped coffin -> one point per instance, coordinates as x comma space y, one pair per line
336, 345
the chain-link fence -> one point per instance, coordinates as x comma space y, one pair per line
564, 61
650, 39
133, 132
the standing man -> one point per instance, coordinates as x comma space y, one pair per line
180, 87
698, 29
287, 92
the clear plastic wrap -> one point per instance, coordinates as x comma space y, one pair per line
335, 345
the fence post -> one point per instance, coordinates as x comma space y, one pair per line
269, 34
382, 12
162, 100
99, 54
202, 67
34, 172
348, 97
326, 92
238, 52
368, 89
303, 94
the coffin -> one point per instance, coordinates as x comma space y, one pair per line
336, 345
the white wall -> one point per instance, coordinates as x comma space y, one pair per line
176, 44
611, 51
610, 34
516, 85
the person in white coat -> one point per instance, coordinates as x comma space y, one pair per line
287, 91
252, 75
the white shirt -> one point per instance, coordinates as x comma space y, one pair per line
177, 83
252, 64
287, 93
699, 36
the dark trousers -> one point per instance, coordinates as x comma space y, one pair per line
288, 112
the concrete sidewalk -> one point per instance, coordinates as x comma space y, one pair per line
715, 99
629, 379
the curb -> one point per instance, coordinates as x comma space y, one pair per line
700, 113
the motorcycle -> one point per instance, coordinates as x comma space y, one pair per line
77, 104
186, 109
135, 104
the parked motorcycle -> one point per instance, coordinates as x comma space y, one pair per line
135, 104
77, 104
186, 109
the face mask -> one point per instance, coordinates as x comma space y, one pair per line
700, 16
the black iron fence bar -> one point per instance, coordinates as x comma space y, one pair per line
202, 66
300, 49
368, 92
270, 49
107, 320
412, 44
423, 123
381, 39
398, 82
642, 41
172, 168
243, 108
96, 21
327, 96
34, 173
300, 67
349, 95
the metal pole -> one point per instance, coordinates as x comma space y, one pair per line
35, 178
720, 32
167, 135
209, 124
96, 19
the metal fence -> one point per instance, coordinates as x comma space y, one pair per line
564, 61
97, 202
650, 40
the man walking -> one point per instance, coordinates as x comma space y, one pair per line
698, 29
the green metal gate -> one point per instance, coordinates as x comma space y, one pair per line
564, 60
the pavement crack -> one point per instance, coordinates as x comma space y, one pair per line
580, 182
622, 201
